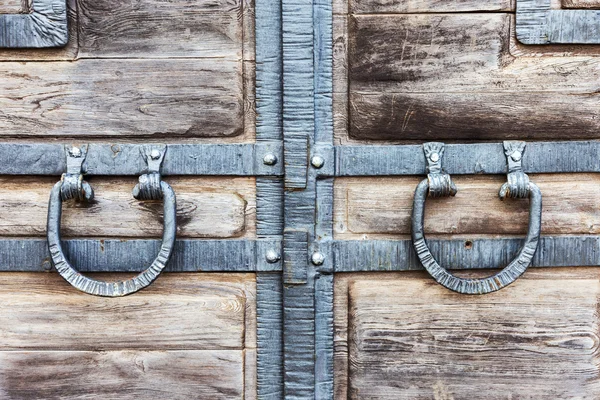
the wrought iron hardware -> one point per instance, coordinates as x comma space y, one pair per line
150, 187
439, 184
45, 26
538, 23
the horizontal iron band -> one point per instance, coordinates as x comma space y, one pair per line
459, 159
399, 255
114, 255
125, 159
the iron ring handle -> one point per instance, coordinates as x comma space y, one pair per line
111, 289
508, 275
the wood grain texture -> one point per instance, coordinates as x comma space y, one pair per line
189, 374
592, 4
122, 98
453, 77
206, 208
160, 28
13, 6
177, 312
427, 6
381, 207
409, 338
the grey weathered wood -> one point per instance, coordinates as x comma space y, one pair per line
538, 23
381, 207
411, 338
126, 374
207, 208
120, 255
45, 25
156, 28
125, 159
158, 99
420, 77
398, 255
178, 311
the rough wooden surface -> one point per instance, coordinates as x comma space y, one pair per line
423, 6
580, 4
402, 336
454, 77
185, 336
208, 28
122, 98
206, 208
187, 374
13, 6
381, 207
177, 312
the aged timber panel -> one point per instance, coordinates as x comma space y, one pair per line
402, 336
176, 70
422, 70
186, 336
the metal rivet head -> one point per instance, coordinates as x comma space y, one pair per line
155, 154
76, 152
435, 157
516, 156
318, 258
272, 256
317, 161
270, 159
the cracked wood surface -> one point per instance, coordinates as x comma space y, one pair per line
402, 336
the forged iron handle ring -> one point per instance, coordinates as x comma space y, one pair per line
111, 289
508, 275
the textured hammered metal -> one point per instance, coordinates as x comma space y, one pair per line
80, 190
495, 282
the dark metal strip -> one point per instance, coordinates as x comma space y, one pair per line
324, 336
126, 159
398, 255
481, 158
269, 321
44, 26
111, 255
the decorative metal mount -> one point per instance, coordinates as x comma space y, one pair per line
45, 26
439, 184
72, 186
538, 23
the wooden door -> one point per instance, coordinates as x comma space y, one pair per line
133, 73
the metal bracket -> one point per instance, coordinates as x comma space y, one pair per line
45, 26
538, 23
73, 186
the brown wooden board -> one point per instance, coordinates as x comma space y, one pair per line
403, 336
457, 76
206, 208
380, 207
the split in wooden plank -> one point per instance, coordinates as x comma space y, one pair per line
128, 374
207, 207
453, 77
122, 98
537, 338
381, 207
177, 312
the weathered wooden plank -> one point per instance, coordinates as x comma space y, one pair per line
178, 311
381, 207
187, 374
451, 76
69, 52
160, 28
206, 207
410, 338
427, 6
120, 98
13, 6
580, 4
